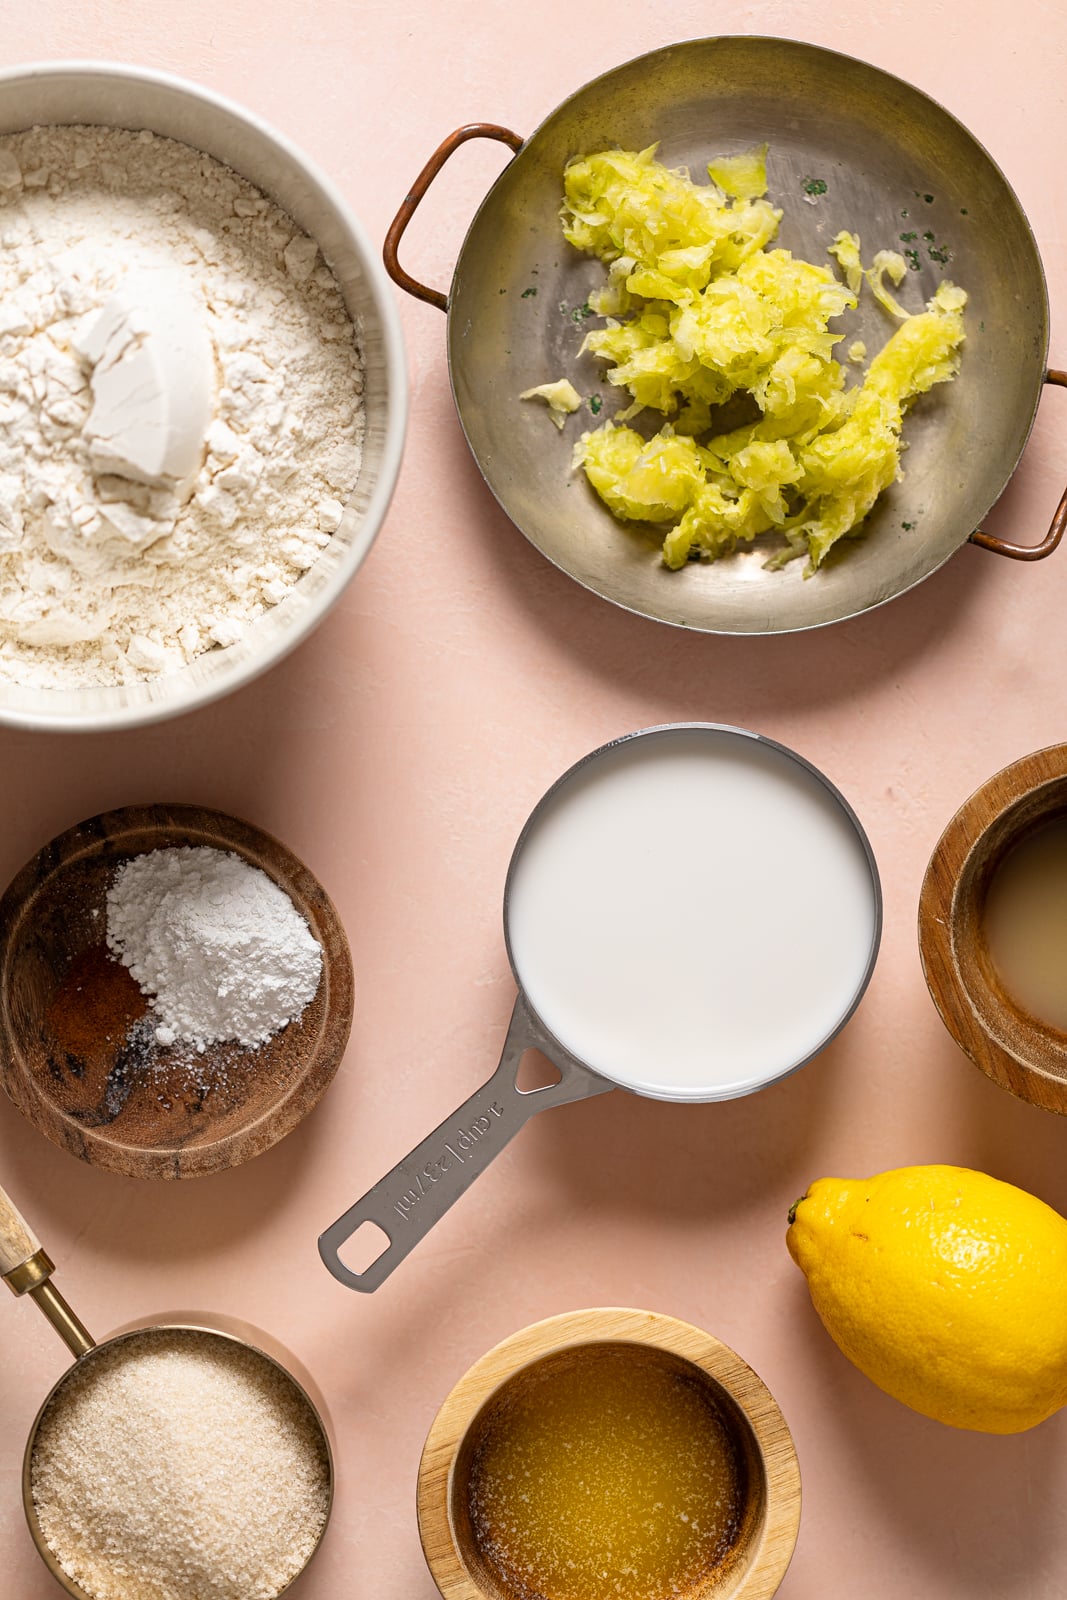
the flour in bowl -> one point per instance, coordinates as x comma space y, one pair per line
180, 405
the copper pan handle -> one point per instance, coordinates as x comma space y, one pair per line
471, 130
1031, 552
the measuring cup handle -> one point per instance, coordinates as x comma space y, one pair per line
407, 1202
473, 130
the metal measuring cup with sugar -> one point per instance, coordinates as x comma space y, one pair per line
691, 912
27, 1269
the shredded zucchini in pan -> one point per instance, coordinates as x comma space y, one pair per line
700, 311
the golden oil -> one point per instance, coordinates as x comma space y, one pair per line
609, 1473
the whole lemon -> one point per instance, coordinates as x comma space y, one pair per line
946, 1287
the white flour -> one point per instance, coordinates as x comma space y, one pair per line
104, 579
219, 947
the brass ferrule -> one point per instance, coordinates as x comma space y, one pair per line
73, 1333
29, 1274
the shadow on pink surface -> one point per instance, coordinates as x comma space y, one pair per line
1018, 1143
133, 1220
623, 1153
803, 672
965, 1509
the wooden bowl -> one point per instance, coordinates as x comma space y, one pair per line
1018, 1051
66, 1007
756, 1563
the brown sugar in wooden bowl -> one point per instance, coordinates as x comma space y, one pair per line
71, 1058
1019, 1051
562, 1354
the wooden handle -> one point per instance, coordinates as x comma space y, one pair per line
27, 1270
17, 1241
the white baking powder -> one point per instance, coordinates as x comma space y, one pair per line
111, 571
218, 947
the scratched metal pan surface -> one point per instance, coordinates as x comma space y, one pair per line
893, 162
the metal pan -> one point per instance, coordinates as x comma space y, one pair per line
893, 162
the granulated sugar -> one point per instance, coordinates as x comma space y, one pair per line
180, 1466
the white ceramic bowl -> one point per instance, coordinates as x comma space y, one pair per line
132, 97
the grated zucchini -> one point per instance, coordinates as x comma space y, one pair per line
698, 312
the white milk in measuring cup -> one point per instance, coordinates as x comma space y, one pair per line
691, 913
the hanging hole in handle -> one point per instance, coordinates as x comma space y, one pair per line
364, 1247
536, 1072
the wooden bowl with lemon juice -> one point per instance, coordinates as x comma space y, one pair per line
993, 928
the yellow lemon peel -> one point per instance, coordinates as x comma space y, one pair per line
846, 251
889, 262
946, 1287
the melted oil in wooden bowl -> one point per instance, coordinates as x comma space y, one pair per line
609, 1473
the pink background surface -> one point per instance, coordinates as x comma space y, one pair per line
401, 749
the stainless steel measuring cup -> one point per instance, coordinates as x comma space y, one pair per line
406, 1203
27, 1269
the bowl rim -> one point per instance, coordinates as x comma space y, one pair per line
396, 413
776, 1538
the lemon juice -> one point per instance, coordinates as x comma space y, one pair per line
1026, 923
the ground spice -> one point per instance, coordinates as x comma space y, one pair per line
102, 1056
97, 1043
93, 1009
99, 1061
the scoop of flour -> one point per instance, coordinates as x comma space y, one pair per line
152, 377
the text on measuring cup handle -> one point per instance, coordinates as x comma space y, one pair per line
454, 1152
